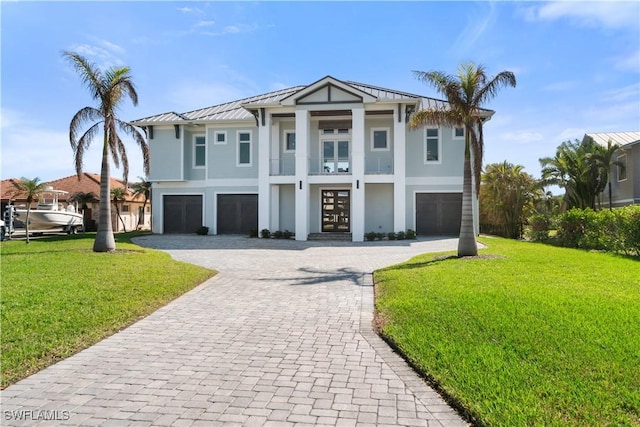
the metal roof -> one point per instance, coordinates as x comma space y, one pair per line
621, 138
234, 110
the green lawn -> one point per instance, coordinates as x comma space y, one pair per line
59, 297
529, 334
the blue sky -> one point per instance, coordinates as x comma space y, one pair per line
577, 64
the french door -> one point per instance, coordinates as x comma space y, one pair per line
335, 156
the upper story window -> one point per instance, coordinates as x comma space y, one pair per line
220, 137
380, 139
199, 151
289, 141
621, 169
458, 133
432, 146
244, 148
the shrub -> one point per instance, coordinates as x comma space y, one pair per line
391, 236
379, 236
539, 225
287, 234
411, 234
401, 235
278, 234
612, 231
370, 236
202, 231
265, 233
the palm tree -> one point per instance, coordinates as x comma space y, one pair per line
466, 93
109, 89
142, 188
581, 168
508, 197
83, 199
118, 195
31, 188
604, 159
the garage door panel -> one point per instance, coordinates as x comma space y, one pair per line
237, 213
182, 213
438, 214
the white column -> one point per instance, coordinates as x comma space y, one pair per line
357, 167
275, 207
399, 170
301, 182
264, 193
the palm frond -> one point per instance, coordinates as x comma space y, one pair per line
82, 144
81, 118
139, 139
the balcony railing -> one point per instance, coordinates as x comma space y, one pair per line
380, 167
280, 167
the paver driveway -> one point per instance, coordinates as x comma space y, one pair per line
281, 336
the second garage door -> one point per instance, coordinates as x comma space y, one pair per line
438, 214
237, 213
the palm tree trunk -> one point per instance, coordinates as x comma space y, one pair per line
467, 245
26, 221
105, 242
610, 202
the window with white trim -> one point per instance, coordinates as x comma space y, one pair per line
432, 145
199, 151
621, 169
244, 148
220, 137
379, 139
458, 133
289, 141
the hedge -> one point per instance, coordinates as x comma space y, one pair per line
615, 230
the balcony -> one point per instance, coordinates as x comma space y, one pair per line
282, 167
378, 166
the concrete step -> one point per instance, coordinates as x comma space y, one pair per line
346, 237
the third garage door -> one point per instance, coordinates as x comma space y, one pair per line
438, 214
237, 213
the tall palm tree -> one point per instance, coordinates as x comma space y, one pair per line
142, 188
118, 195
109, 88
31, 189
466, 94
604, 159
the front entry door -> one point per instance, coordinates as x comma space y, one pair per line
336, 205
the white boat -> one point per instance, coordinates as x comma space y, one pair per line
48, 216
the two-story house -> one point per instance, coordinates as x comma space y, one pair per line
331, 157
625, 175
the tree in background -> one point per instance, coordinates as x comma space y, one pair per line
466, 94
508, 196
110, 89
117, 197
604, 160
582, 169
32, 189
142, 188
83, 199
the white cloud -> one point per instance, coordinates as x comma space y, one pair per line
477, 24
190, 10
627, 62
560, 86
607, 14
521, 137
631, 92
105, 54
205, 23
569, 134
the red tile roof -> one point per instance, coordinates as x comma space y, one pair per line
89, 182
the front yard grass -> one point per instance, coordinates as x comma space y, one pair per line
58, 297
528, 334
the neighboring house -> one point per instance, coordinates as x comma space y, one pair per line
625, 182
333, 156
130, 209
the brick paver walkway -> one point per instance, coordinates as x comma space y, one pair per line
282, 336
